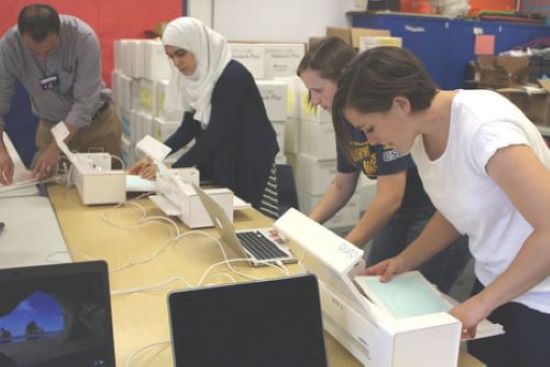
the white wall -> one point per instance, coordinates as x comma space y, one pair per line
274, 20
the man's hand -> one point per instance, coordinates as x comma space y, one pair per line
6, 167
46, 164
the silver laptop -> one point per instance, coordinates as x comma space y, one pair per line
271, 323
259, 245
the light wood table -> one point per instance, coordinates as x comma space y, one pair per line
141, 319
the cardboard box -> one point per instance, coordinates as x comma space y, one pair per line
163, 129
313, 176
274, 95
372, 335
157, 65
352, 36
98, 184
368, 42
535, 105
179, 198
313, 41
141, 124
292, 136
252, 56
282, 59
147, 96
503, 71
344, 218
294, 88
318, 140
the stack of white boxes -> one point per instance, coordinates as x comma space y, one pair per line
139, 83
273, 66
305, 135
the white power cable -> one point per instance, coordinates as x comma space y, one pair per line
153, 287
143, 349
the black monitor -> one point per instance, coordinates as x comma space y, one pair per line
269, 323
56, 315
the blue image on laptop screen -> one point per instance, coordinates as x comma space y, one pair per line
60, 319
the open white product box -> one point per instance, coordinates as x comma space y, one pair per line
369, 331
95, 180
177, 197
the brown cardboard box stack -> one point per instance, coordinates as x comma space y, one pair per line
503, 71
510, 76
352, 36
536, 106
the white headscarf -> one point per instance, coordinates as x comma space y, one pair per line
212, 55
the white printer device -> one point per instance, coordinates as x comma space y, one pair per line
368, 331
175, 193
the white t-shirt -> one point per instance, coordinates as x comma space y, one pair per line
460, 188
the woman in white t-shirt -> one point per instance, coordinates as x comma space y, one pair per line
485, 166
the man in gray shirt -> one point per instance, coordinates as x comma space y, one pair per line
57, 59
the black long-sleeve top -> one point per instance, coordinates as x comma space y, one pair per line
238, 146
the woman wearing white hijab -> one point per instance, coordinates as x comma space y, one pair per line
235, 144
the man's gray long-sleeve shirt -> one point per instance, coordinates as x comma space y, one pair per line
77, 64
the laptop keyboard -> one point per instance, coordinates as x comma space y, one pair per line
259, 245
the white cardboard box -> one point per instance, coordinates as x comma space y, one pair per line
368, 42
138, 58
370, 334
292, 136
161, 87
163, 129
147, 96
157, 65
318, 140
98, 184
313, 176
283, 59
141, 124
251, 55
183, 198
273, 94
344, 218
294, 88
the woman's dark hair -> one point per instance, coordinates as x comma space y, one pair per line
371, 81
38, 21
328, 58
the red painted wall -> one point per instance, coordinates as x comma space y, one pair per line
111, 19
475, 5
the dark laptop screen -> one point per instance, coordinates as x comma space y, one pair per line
56, 315
268, 323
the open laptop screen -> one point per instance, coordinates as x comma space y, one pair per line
56, 315
268, 323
